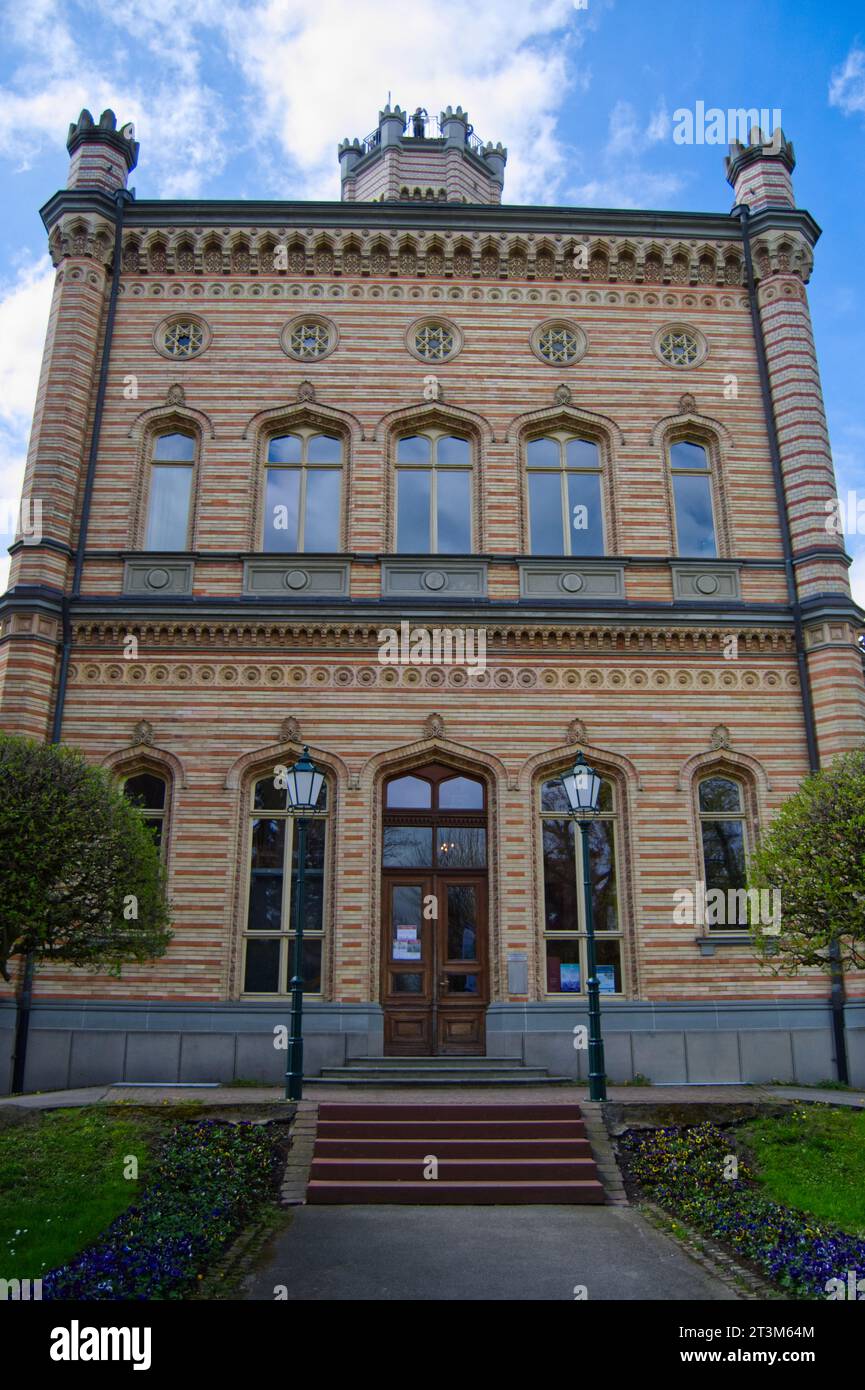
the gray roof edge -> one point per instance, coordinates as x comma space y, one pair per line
492, 218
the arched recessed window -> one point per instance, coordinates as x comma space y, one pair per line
723, 836
564, 905
170, 492
692, 498
434, 494
269, 932
149, 792
303, 492
566, 514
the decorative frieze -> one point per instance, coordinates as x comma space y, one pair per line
158, 578
572, 579
437, 578
318, 675
709, 580
349, 634
295, 576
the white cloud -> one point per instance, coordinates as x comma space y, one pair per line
180, 117
847, 84
313, 73
24, 306
306, 76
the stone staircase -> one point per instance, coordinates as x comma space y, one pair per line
386, 1072
484, 1154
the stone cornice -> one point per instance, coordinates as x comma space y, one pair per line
443, 217
163, 635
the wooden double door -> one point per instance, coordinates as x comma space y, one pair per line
436, 979
435, 971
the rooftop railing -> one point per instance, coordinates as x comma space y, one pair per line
423, 128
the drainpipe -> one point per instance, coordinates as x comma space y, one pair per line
837, 992
25, 994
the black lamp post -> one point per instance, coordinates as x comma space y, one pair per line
582, 788
303, 784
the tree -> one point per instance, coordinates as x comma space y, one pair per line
814, 854
81, 879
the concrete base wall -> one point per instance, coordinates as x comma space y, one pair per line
94, 1044
678, 1043
88, 1044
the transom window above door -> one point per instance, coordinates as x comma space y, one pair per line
303, 492
434, 821
433, 494
565, 498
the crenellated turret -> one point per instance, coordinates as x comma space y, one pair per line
415, 156
760, 171
101, 155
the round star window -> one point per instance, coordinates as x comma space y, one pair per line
434, 340
558, 343
309, 338
181, 337
680, 346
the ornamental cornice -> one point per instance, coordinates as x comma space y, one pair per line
74, 235
469, 254
316, 292
358, 637
319, 674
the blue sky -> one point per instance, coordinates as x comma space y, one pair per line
250, 100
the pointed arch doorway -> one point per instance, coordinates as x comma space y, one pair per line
435, 956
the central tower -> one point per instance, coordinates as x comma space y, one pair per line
418, 158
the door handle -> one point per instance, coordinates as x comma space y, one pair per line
443, 982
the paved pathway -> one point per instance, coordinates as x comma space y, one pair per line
521, 1253
565, 1095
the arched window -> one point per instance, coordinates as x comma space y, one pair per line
303, 492
692, 499
434, 494
149, 791
170, 492
566, 513
564, 906
269, 931
723, 836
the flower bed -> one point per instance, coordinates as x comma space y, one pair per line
683, 1171
210, 1179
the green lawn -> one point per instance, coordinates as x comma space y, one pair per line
62, 1182
813, 1160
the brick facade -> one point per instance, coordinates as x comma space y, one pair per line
648, 682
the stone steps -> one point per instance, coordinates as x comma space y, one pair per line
472, 1154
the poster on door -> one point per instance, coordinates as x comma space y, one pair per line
406, 944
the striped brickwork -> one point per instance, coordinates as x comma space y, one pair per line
659, 695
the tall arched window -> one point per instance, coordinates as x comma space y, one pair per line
303, 492
149, 791
269, 930
692, 499
566, 513
434, 494
564, 906
170, 492
724, 840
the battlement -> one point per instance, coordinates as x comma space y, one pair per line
760, 172
101, 155
416, 156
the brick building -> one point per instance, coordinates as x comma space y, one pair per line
448, 490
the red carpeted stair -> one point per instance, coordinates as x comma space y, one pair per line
487, 1155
